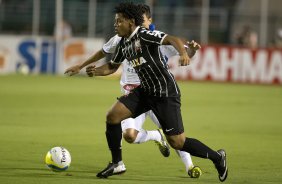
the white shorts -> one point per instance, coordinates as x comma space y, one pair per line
138, 122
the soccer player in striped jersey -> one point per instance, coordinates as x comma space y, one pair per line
132, 128
158, 91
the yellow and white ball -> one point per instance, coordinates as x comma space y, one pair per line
58, 159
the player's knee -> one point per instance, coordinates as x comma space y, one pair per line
117, 113
129, 138
111, 118
176, 143
129, 135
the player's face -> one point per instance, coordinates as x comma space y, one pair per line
122, 25
147, 21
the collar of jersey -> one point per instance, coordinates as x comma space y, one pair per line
133, 33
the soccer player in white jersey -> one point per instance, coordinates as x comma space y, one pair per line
132, 128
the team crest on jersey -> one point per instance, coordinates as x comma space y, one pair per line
137, 45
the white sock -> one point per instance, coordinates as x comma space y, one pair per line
144, 136
186, 159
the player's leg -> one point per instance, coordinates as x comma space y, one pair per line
199, 149
153, 117
193, 171
157, 135
133, 132
116, 114
126, 106
169, 115
131, 128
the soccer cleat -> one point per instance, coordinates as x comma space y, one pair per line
221, 166
112, 169
163, 145
195, 172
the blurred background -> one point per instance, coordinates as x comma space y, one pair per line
47, 36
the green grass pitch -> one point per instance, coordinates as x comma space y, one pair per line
40, 112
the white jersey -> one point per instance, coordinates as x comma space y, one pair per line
129, 75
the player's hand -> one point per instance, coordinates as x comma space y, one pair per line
193, 45
72, 70
90, 70
184, 59
191, 48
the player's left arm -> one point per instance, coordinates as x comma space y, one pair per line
178, 45
160, 38
190, 46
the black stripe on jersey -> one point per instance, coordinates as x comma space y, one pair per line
156, 77
162, 58
175, 85
128, 51
151, 81
119, 57
164, 65
144, 79
166, 91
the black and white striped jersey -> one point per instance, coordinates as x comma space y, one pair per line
141, 49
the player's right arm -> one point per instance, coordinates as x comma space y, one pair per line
108, 68
76, 68
108, 48
103, 70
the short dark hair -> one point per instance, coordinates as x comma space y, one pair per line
130, 11
145, 10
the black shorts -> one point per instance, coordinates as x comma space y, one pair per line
166, 109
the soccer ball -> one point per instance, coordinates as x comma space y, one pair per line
58, 159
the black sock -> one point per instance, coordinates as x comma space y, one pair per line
198, 149
114, 136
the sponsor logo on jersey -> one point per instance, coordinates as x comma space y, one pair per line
137, 62
153, 33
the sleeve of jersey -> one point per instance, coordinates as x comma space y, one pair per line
110, 46
118, 56
168, 51
152, 37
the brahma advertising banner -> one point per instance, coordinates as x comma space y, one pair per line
232, 64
